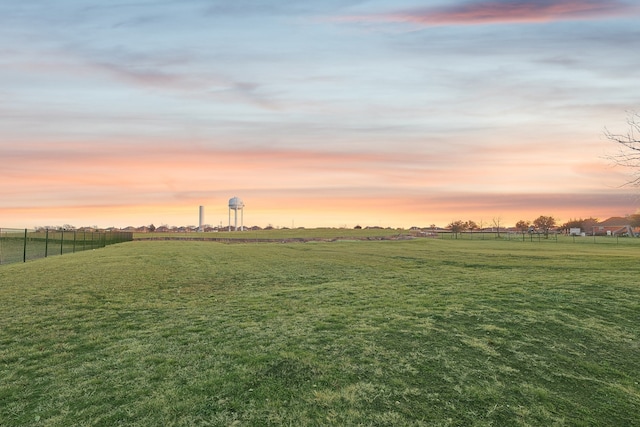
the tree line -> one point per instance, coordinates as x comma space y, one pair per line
543, 224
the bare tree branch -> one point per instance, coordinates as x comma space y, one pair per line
628, 154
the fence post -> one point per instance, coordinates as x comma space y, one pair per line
46, 243
61, 240
24, 253
74, 240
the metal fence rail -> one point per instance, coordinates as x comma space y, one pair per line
21, 245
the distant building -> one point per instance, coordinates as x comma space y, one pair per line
614, 226
575, 232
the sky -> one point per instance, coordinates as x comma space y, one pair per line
317, 113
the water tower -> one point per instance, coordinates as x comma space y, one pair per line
236, 204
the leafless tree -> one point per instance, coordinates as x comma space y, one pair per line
496, 223
628, 154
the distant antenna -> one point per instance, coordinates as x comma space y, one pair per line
236, 204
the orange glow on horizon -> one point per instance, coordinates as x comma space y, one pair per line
312, 211
311, 188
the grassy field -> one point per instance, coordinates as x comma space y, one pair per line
332, 234
280, 234
418, 332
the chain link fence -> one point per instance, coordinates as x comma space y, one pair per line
21, 245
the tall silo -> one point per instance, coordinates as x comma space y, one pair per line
201, 220
236, 204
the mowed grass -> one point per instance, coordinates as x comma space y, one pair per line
280, 234
416, 333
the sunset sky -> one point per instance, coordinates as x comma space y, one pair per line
316, 113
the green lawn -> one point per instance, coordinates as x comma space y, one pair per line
280, 234
412, 332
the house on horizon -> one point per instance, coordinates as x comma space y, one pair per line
614, 226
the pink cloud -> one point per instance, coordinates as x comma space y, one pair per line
106, 167
510, 11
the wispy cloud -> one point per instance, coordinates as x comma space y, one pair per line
128, 111
282, 7
505, 11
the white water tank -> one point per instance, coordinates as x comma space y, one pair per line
236, 204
